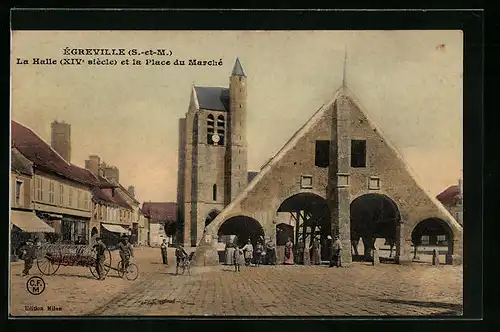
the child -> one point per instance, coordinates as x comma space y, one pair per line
237, 258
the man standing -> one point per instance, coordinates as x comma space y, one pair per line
180, 255
100, 250
28, 255
79, 241
126, 251
164, 251
337, 247
270, 252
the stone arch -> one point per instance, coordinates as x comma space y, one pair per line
434, 228
243, 227
211, 216
372, 216
283, 232
311, 218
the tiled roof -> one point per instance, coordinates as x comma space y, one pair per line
104, 196
126, 192
213, 98
160, 211
20, 164
44, 157
450, 195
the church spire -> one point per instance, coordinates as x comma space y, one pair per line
238, 69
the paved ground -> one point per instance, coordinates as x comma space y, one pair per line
359, 290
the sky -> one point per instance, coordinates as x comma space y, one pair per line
409, 82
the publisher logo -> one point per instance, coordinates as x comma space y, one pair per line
35, 285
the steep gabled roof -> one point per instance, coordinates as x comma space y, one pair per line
292, 142
44, 157
212, 98
104, 196
160, 211
125, 191
20, 163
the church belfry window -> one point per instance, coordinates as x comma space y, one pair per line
215, 130
221, 123
210, 128
358, 153
214, 192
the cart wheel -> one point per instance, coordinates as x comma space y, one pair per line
106, 265
49, 264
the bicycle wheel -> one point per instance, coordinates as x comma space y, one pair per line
120, 270
132, 272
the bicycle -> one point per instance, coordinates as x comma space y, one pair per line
186, 264
131, 273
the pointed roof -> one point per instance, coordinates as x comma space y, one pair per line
212, 98
238, 69
310, 123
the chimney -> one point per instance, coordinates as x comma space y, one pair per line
92, 164
111, 173
131, 190
60, 139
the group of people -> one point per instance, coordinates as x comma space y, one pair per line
334, 250
125, 248
234, 255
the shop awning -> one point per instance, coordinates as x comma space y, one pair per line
115, 228
29, 222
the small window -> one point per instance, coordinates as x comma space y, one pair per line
61, 194
306, 182
441, 239
19, 185
51, 192
358, 153
425, 240
322, 154
374, 183
214, 192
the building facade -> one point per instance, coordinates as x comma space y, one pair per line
337, 175
60, 191
212, 153
162, 222
24, 223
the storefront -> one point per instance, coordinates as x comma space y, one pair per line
25, 225
112, 233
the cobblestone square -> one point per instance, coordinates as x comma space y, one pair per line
357, 290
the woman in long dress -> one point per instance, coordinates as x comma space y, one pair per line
288, 252
229, 253
316, 249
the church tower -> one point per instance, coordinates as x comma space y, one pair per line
236, 149
212, 154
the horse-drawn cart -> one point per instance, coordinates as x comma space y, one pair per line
51, 256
